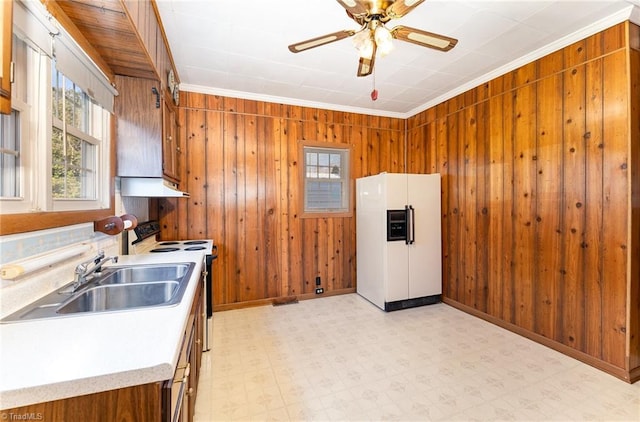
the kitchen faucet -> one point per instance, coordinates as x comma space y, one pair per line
82, 271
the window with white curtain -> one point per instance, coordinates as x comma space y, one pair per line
55, 146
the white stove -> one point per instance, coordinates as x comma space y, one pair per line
146, 242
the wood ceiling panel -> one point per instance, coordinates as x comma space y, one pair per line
107, 28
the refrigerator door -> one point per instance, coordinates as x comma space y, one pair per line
425, 253
371, 239
396, 255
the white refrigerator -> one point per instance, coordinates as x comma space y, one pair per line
398, 234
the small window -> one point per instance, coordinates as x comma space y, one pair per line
326, 180
74, 147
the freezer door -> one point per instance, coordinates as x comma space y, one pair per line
425, 253
371, 239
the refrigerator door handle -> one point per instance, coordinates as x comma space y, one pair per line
412, 213
407, 219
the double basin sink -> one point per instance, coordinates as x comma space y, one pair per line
114, 289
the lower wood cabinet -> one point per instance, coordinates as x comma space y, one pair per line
169, 401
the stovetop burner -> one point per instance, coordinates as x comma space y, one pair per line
169, 243
165, 250
195, 248
195, 242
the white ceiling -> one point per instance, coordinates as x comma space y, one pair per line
239, 48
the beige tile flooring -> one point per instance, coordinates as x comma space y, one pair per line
342, 359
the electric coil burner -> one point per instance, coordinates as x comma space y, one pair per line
156, 250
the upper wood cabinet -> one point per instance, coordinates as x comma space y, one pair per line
146, 130
6, 31
171, 141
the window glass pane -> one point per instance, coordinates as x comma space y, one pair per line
10, 155
75, 145
312, 171
73, 170
56, 92
312, 158
325, 188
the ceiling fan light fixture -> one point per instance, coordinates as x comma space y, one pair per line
384, 40
363, 42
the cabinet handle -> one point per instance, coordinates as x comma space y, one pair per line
190, 391
198, 341
157, 94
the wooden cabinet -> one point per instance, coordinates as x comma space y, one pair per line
153, 402
171, 141
147, 130
180, 393
6, 33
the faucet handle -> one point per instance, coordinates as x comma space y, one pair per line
99, 256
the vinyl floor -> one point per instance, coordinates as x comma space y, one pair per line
340, 358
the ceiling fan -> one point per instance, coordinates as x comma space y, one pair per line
373, 36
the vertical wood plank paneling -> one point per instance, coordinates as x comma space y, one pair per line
294, 199
451, 289
253, 285
633, 330
469, 144
196, 177
231, 230
216, 211
508, 303
445, 183
482, 219
616, 191
496, 186
594, 242
548, 263
573, 188
524, 206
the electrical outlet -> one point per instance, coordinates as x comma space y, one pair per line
319, 290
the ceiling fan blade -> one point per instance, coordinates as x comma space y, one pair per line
355, 7
401, 7
423, 38
365, 65
318, 41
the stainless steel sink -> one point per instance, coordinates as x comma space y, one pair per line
143, 273
115, 289
115, 297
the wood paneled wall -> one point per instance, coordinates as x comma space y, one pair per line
536, 192
541, 197
243, 176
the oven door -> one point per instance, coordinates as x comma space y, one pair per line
208, 299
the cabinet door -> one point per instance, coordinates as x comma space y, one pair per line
171, 145
195, 356
139, 127
6, 31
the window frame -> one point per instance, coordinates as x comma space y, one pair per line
303, 179
36, 219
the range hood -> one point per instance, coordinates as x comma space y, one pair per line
150, 187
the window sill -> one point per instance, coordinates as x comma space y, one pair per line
326, 214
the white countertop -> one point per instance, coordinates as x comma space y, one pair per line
56, 358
